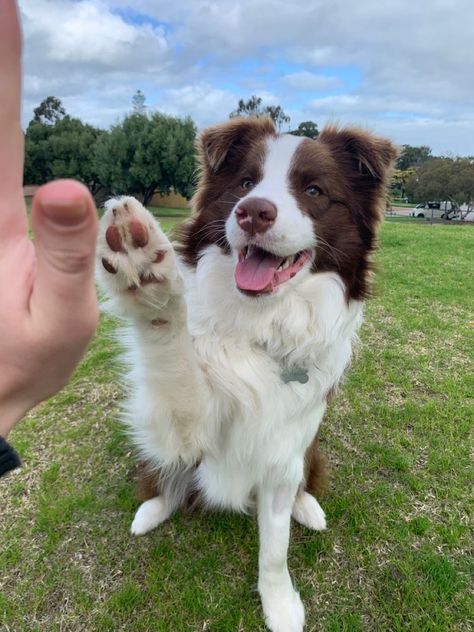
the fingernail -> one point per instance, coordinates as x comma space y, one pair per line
65, 211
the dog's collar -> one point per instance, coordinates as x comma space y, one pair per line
295, 374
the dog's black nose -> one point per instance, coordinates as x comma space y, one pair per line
256, 215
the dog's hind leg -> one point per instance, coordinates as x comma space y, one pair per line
163, 493
150, 514
306, 509
308, 512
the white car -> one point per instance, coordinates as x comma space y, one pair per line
436, 210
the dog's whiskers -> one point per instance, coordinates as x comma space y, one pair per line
212, 234
214, 224
330, 250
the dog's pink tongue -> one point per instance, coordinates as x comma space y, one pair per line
256, 273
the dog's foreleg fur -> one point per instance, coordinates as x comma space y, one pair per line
169, 394
281, 603
166, 408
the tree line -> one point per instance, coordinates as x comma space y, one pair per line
142, 154
421, 177
150, 151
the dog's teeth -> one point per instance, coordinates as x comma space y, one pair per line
285, 264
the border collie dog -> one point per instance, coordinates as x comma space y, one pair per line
239, 333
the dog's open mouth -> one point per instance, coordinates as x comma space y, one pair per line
261, 272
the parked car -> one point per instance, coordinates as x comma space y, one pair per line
437, 210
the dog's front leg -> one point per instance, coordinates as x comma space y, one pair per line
281, 603
137, 268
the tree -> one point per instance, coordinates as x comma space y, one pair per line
413, 156
64, 149
400, 179
461, 184
278, 116
307, 128
138, 102
49, 111
37, 155
144, 154
443, 179
254, 107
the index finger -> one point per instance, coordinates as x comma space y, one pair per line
12, 215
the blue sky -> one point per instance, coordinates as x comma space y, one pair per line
398, 67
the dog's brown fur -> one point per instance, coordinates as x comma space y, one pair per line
349, 166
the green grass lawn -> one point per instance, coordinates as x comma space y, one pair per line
396, 555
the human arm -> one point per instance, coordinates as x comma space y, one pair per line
48, 306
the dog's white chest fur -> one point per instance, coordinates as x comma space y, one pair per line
257, 422
233, 412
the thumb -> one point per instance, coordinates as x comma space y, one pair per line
64, 220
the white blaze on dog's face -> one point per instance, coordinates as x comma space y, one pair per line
273, 238
284, 207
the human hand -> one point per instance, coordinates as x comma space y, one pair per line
48, 305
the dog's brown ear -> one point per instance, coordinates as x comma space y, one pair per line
216, 143
361, 153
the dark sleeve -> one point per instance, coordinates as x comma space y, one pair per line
9, 459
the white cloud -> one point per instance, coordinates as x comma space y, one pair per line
87, 32
370, 105
205, 104
393, 63
308, 81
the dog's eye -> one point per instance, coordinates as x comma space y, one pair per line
247, 184
312, 191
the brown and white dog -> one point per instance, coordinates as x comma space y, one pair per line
237, 336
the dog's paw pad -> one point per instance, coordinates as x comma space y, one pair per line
138, 232
114, 239
108, 266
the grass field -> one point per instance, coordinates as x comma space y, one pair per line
397, 552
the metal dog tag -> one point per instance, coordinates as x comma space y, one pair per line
296, 374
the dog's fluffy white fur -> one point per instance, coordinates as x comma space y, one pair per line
207, 404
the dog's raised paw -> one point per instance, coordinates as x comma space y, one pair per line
132, 248
136, 262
